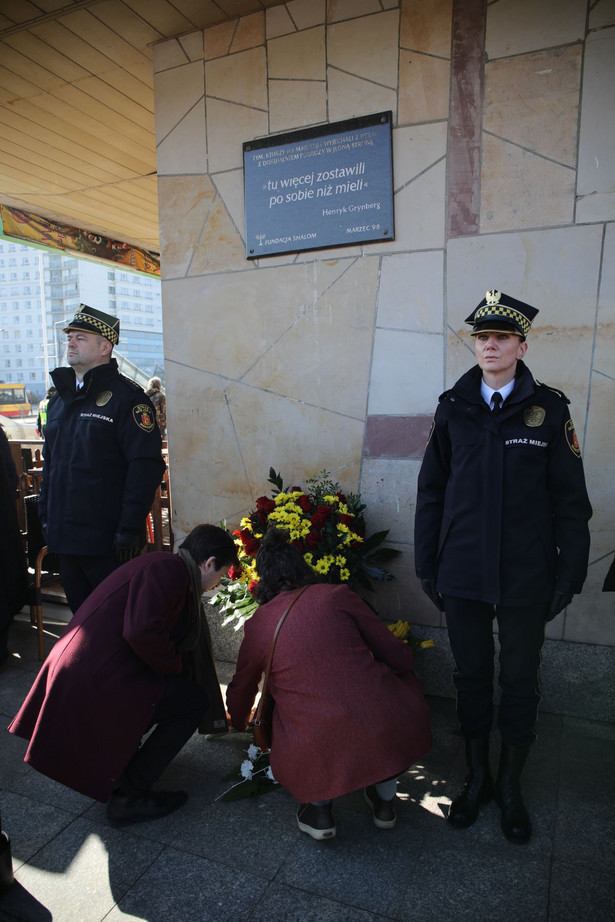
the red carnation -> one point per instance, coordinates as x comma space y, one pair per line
348, 520
250, 545
341, 498
304, 502
320, 516
264, 504
235, 572
252, 585
312, 540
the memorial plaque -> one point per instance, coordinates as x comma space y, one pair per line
320, 187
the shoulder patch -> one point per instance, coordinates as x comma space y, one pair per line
143, 417
553, 390
571, 438
132, 384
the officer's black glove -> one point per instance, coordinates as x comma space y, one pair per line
126, 545
429, 588
44, 531
558, 603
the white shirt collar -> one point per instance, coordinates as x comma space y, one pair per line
487, 392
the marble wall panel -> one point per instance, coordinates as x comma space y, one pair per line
601, 14
166, 55
519, 26
406, 373
228, 126
184, 149
338, 10
220, 246
598, 454
184, 202
589, 619
299, 56
391, 487
533, 101
426, 27
415, 149
520, 190
177, 91
596, 175
249, 33
411, 295
363, 47
424, 88
239, 78
307, 13
193, 45
420, 210
296, 103
604, 357
351, 97
217, 40
323, 358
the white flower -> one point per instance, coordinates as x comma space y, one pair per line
269, 774
252, 751
246, 770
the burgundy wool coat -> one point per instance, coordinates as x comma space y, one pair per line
349, 710
95, 694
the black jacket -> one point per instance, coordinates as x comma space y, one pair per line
102, 461
502, 508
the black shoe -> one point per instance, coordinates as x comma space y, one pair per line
123, 810
317, 821
383, 811
515, 822
478, 789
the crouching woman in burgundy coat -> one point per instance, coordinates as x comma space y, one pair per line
349, 711
124, 664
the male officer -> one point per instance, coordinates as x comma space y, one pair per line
102, 459
500, 531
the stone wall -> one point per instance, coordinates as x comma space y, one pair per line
504, 176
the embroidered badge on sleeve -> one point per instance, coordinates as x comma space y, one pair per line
571, 438
143, 417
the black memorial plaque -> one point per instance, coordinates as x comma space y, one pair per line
321, 187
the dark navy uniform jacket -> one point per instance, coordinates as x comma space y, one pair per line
502, 507
102, 461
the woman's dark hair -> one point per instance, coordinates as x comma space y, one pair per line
280, 566
207, 541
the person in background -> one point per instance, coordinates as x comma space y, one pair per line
13, 568
155, 393
349, 711
501, 531
126, 663
102, 460
41, 420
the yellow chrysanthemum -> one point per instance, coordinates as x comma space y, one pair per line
344, 575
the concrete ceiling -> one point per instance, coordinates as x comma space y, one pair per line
77, 142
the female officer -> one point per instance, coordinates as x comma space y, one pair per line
500, 531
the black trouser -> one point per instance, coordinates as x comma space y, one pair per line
81, 574
176, 718
521, 636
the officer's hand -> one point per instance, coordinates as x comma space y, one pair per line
126, 545
558, 603
429, 588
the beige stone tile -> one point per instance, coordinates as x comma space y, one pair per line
307, 13
167, 55
411, 292
420, 212
601, 14
415, 149
424, 88
176, 92
351, 97
221, 247
228, 126
388, 488
239, 78
184, 150
598, 450
604, 355
204, 453
296, 103
338, 10
427, 27
218, 40
300, 56
520, 189
519, 26
183, 203
406, 373
323, 358
596, 174
278, 22
533, 100
366, 47
250, 32
590, 617
193, 45
229, 186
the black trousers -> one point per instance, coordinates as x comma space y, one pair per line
521, 635
175, 720
81, 574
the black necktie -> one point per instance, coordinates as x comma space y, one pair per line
497, 401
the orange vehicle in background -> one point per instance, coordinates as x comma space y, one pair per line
14, 401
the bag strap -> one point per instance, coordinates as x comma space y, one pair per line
270, 660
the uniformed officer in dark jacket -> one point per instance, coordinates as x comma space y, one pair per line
102, 459
500, 531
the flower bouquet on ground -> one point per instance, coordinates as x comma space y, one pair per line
326, 525
253, 777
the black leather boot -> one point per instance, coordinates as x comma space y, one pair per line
516, 824
478, 788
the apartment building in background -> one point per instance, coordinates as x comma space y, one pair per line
41, 290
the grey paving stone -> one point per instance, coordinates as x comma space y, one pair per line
30, 826
293, 905
580, 894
